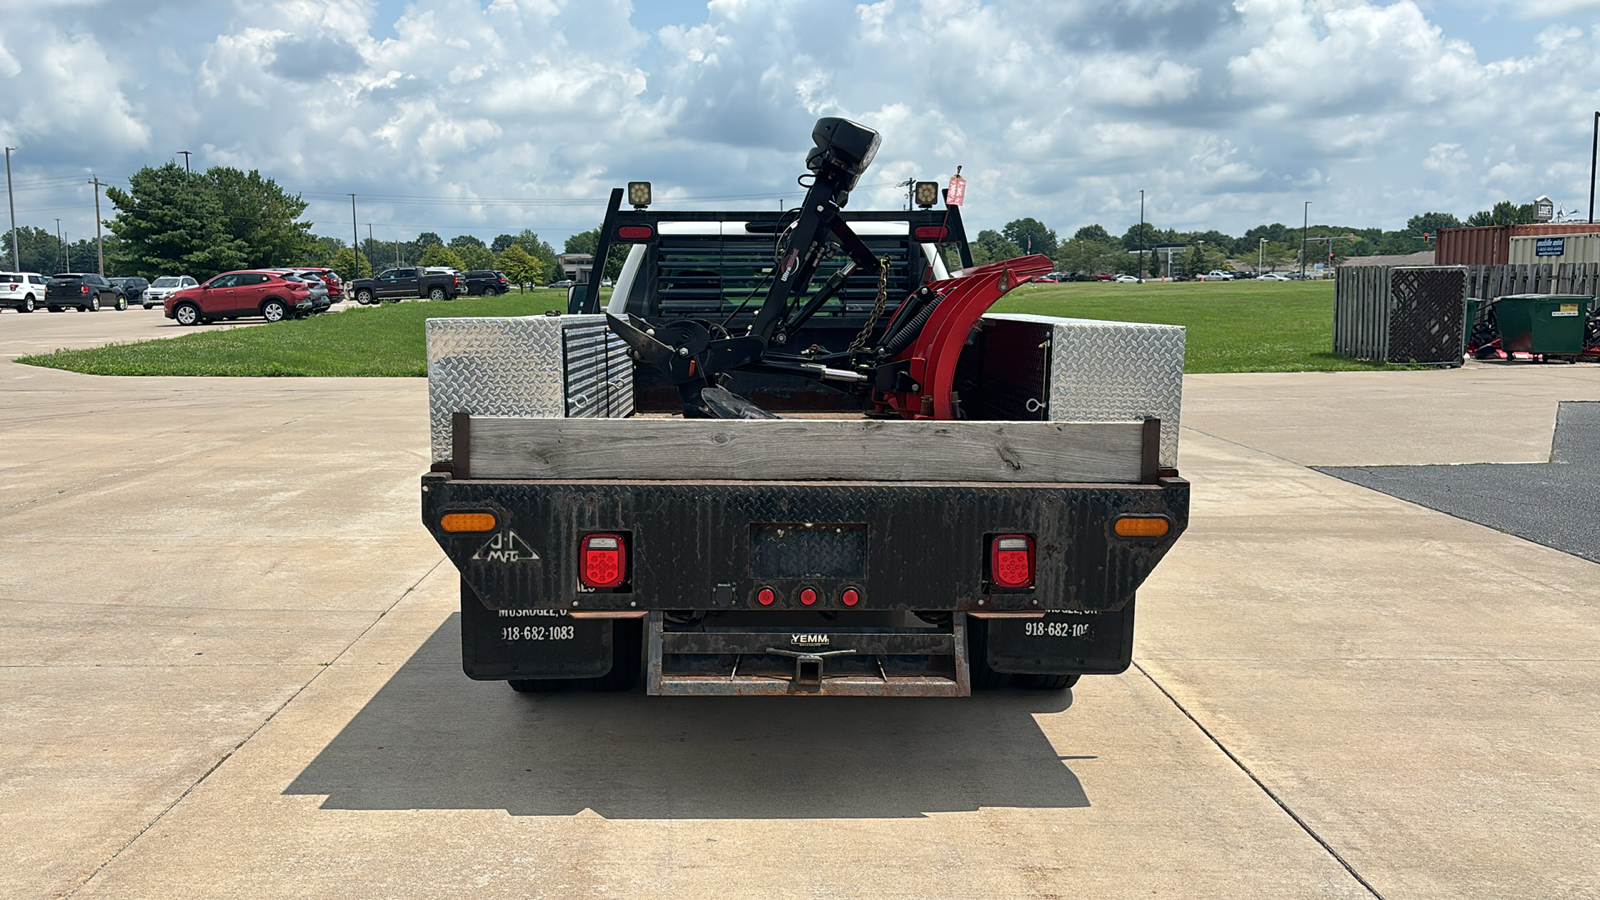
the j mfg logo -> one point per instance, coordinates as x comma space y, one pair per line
505, 547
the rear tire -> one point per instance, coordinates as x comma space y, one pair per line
94, 304
437, 294
27, 304
489, 292
273, 310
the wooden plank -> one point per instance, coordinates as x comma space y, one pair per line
805, 450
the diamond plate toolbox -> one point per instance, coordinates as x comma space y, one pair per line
1112, 372
530, 366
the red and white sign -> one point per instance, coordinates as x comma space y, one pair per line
956, 192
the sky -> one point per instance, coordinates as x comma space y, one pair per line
490, 116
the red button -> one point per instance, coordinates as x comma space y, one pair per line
850, 597
766, 597
808, 597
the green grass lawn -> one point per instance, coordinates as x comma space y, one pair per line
1233, 326
1245, 326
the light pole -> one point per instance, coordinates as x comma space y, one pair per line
185, 154
1261, 256
59, 246
1141, 237
16, 264
355, 241
1594, 150
1304, 224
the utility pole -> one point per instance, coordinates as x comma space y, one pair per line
1304, 224
1594, 151
1261, 255
60, 246
16, 264
355, 239
1141, 236
185, 154
99, 246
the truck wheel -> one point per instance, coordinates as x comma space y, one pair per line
186, 314
437, 294
273, 310
1048, 682
983, 677
363, 297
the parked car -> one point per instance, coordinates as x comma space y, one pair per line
486, 282
83, 291
1125, 279
235, 294
563, 283
22, 291
1106, 276
1273, 276
1052, 278
132, 287
328, 276
1216, 275
164, 287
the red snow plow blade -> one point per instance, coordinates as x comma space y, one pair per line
949, 309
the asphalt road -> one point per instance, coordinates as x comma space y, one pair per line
228, 667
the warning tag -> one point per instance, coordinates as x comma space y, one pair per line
505, 547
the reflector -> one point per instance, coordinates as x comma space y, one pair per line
468, 522
808, 597
1143, 526
635, 233
933, 233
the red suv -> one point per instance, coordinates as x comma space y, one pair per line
234, 294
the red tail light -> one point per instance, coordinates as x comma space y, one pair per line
766, 597
808, 597
83, 289
635, 233
1011, 560
850, 597
935, 233
602, 561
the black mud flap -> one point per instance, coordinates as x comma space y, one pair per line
527, 644
1063, 643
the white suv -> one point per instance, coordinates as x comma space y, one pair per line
22, 291
165, 286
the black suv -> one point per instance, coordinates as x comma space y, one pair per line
486, 282
132, 287
84, 292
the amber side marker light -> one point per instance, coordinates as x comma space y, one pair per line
1142, 526
459, 522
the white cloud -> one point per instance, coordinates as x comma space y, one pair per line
1227, 113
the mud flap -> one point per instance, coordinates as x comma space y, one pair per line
1063, 643
506, 644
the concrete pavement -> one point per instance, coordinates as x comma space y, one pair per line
228, 667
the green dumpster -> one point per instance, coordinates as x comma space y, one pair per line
1542, 324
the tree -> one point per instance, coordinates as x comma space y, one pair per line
262, 217
37, 251
587, 241
1135, 239
501, 242
539, 249
440, 256
520, 266
1094, 234
1030, 236
1430, 223
169, 221
1087, 257
1504, 213
351, 266
992, 246
473, 253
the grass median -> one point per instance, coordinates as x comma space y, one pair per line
1245, 326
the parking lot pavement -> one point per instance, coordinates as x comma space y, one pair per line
22, 334
231, 669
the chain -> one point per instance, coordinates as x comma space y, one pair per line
877, 307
